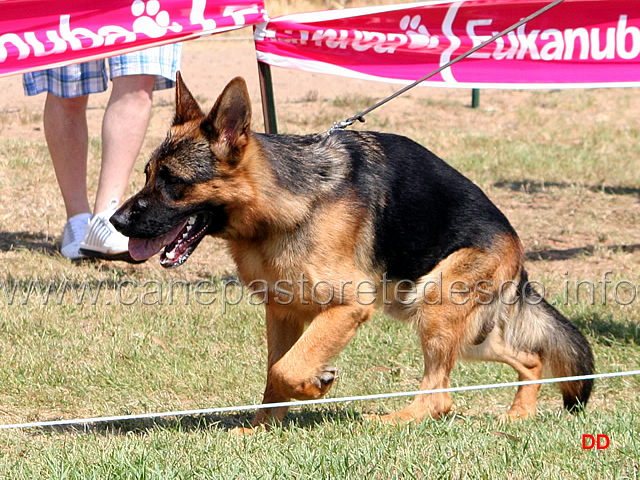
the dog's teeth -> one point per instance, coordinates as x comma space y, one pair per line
191, 221
170, 255
185, 234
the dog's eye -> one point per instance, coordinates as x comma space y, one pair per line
171, 180
168, 177
170, 184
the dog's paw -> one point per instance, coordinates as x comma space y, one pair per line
327, 377
306, 389
515, 416
319, 384
242, 431
395, 418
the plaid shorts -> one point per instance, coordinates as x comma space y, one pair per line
91, 77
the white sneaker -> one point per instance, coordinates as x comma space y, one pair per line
102, 240
72, 235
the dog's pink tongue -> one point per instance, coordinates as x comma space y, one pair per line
141, 248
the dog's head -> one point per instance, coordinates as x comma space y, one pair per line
190, 177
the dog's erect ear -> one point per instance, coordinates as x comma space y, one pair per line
229, 121
186, 106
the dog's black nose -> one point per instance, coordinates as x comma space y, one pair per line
127, 218
120, 220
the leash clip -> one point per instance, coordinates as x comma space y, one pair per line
344, 124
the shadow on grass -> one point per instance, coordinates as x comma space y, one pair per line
605, 330
531, 186
569, 253
189, 423
29, 241
45, 244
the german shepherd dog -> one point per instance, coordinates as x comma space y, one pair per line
356, 220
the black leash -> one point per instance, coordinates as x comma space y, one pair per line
360, 116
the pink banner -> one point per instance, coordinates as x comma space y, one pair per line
579, 43
36, 34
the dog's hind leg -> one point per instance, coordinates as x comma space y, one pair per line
524, 403
440, 334
446, 311
527, 364
441, 321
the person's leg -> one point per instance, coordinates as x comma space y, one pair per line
66, 132
123, 129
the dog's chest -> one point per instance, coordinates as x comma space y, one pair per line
271, 261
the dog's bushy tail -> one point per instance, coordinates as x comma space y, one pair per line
568, 353
541, 328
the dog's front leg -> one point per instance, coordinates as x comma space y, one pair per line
283, 330
303, 372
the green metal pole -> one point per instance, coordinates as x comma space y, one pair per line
475, 98
268, 103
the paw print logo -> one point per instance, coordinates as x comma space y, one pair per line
418, 34
150, 20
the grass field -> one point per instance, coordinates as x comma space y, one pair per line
563, 165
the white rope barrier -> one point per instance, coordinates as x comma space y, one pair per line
242, 408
